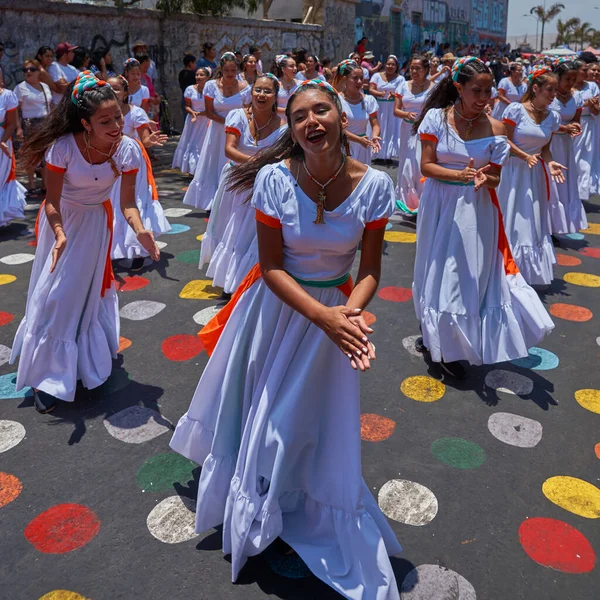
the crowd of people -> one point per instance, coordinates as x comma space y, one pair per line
490, 168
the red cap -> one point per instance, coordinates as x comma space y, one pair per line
63, 48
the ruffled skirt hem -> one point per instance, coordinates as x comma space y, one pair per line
12, 202
536, 263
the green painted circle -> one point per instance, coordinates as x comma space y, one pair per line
458, 452
190, 257
161, 472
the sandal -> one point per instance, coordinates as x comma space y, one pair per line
44, 403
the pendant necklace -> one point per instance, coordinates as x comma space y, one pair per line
321, 196
259, 129
111, 162
470, 123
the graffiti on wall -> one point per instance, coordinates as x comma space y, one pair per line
489, 16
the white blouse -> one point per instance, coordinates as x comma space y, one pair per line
35, 104
196, 97
358, 114
142, 94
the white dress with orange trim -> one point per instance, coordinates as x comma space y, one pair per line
586, 143
71, 326
410, 184
275, 419
512, 92
190, 143
524, 196
12, 193
202, 189
471, 300
566, 209
358, 123
389, 124
229, 243
125, 242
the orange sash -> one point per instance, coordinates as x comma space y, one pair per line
149, 172
12, 175
546, 177
510, 266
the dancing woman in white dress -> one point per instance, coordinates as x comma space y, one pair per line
71, 326
285, 69
275, 420
471, 300
248, 69
312, 69
510, 89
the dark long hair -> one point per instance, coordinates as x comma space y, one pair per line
41, 51
98, 54
444, 94
277, 69
563, 68
218, 74
65, 118
80, 56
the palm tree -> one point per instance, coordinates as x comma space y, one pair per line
545, 16
565, 31
583, 33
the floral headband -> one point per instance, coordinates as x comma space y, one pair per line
280, 58
208, 69
393, 56
317, 82
227, 55
271, 76
459, 64
85, 81
131, 62
561, 61
538, 72
346, 66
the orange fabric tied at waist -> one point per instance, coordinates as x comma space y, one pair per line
109, 275
12, 175
546, 177
149, 172
510, 266
212, 331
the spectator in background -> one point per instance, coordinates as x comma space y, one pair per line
61, 71
187, 75
101, 64
141, 47
81, 60
45, 57
367, 63
209, 53
361, 47
154, 102
257, 53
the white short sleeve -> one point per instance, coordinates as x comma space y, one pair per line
430, 125
58, 156
129, 155
189, 92
20, 91
139, 117
513, 113
269, 192
504, 84
376, 79
55, 72
10, 100
556, 121
401, 88
211, 89
246, 94
145, 93
300, 77
382, 200
235, 121
500, 151
371, 105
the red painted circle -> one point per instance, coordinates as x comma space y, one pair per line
130, 284
5, 318
369, 318
182, 347
593, 252
62, 528
395, 294
375, 428
571, 312
557, 545
32, 243
564, 260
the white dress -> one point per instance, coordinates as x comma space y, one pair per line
12, 193
190, 143
513, 93
125, 242
275, 419
409, 186
212, 159
389, 124
471, 300
566, 209
284, 95
524, 196
586, 143
358, 123
230, 242
71, 326
142, 94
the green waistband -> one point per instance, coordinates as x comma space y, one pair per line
385, 99
469, 183
3, 124
408, 121
361, 134
322, 284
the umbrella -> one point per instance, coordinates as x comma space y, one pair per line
563, 51
592, 50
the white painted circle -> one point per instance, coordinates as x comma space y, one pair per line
509, 382
17, 259
409, 345
202, 317
177, 212
11, 433
4, 354
598, 340
160, 244
141, 310
137, 424
407, 502
173, 520
515, 430
32, 207
434, 582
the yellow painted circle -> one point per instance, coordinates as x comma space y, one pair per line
589, 399
62, 595
400, 236
4, 279
422, 388
200, 289
575, 495
592, 228
584, 279
199, 237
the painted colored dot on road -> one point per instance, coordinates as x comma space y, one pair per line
401, 237
538, 360
199, 237
591, 252
177, 228
509, 382
434, 582
582, 279
395, 294
124, 343
369, 317
137, 424
422, 388
407, 502
202, 317
557, 545
141, 310
593, 228
375, 428
10, 488
17, 259
6, 318
589, 399
11, 434
173, 520
189, 257
130, 284
570, 312
200, 289
515, 430
182, 347
184, 189
597, 450
177, 212
575, 236
62, 528
574, 495
565, 260
4, 354
409, 344
63, 595
388, 226
8, 389
159, 473
160, 244
458, 452
4, 279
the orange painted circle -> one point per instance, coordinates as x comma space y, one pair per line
375, 428
124, 343
369, 318
571, 312
592, 252
564, 260
6, 318
10, 488
130, 284
597, 450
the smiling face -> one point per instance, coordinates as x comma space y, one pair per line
434, 63
201, 77
594, 72
47, 58
311, 64
517, 74
251, 63
263, 95
118, 88
391, 66
134, 75
229, 71
354, 81
417, 72
289, 68
106, 124
476, 92
546, 92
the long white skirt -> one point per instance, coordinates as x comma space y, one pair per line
585, 145
188, 149
409, 186
69, 331
566, 209
275, 423
523, 196
595, 182
390, 129
12, 193
469, 306
202, 189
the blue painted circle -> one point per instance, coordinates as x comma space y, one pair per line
7, 388
538, 360
388, 226
178, 228
575, 236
